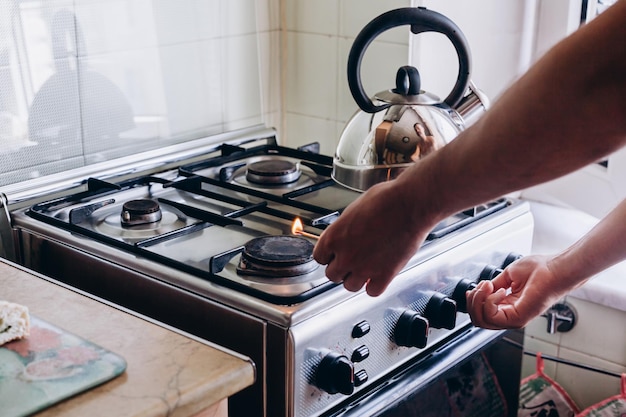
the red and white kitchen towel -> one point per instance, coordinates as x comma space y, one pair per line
540, 396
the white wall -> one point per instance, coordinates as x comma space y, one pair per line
143, 73
500, 37
596, 340
317, 102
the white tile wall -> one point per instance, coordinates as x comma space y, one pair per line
529, 363
317, 99
311, 80
598, 339
320, 17
355, 14
588, 388
140, 74
500, 37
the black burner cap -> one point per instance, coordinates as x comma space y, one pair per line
272, 171
279, 251
141, 206
281, 256
141, 211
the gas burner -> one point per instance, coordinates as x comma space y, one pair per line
273, 171
277, 256
141, 211
111, 225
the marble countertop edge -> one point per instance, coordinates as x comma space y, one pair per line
169, 372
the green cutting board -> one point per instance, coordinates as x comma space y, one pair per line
49, 366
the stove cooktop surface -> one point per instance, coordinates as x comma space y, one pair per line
210, 218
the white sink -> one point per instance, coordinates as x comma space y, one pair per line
556, 228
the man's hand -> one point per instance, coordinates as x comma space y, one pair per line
524, 290
371, 241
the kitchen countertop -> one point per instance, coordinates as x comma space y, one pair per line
167, 374
556, 228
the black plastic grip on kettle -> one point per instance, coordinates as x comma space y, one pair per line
421, 20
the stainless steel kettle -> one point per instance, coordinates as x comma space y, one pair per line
399, 126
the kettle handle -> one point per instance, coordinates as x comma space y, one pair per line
421, 20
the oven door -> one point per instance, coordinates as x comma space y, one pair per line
476, 374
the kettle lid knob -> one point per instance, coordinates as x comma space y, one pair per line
408, 81
408, 90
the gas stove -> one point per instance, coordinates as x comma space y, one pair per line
203, 240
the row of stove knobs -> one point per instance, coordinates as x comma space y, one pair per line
336, 374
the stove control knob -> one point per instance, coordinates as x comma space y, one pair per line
411, 330
458, 294
361, 329
441, 311
360, 354
489, 272
510, 258
335, 374
360, 378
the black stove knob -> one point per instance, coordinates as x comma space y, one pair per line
411, 330
510, 258
458, 295
335, 374
361, 329
360, 354
441, 312
489, 272
360, 377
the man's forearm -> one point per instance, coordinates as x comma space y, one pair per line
601, 248
566, 112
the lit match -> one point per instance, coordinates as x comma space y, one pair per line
298, 229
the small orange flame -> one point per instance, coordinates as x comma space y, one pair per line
296, 227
